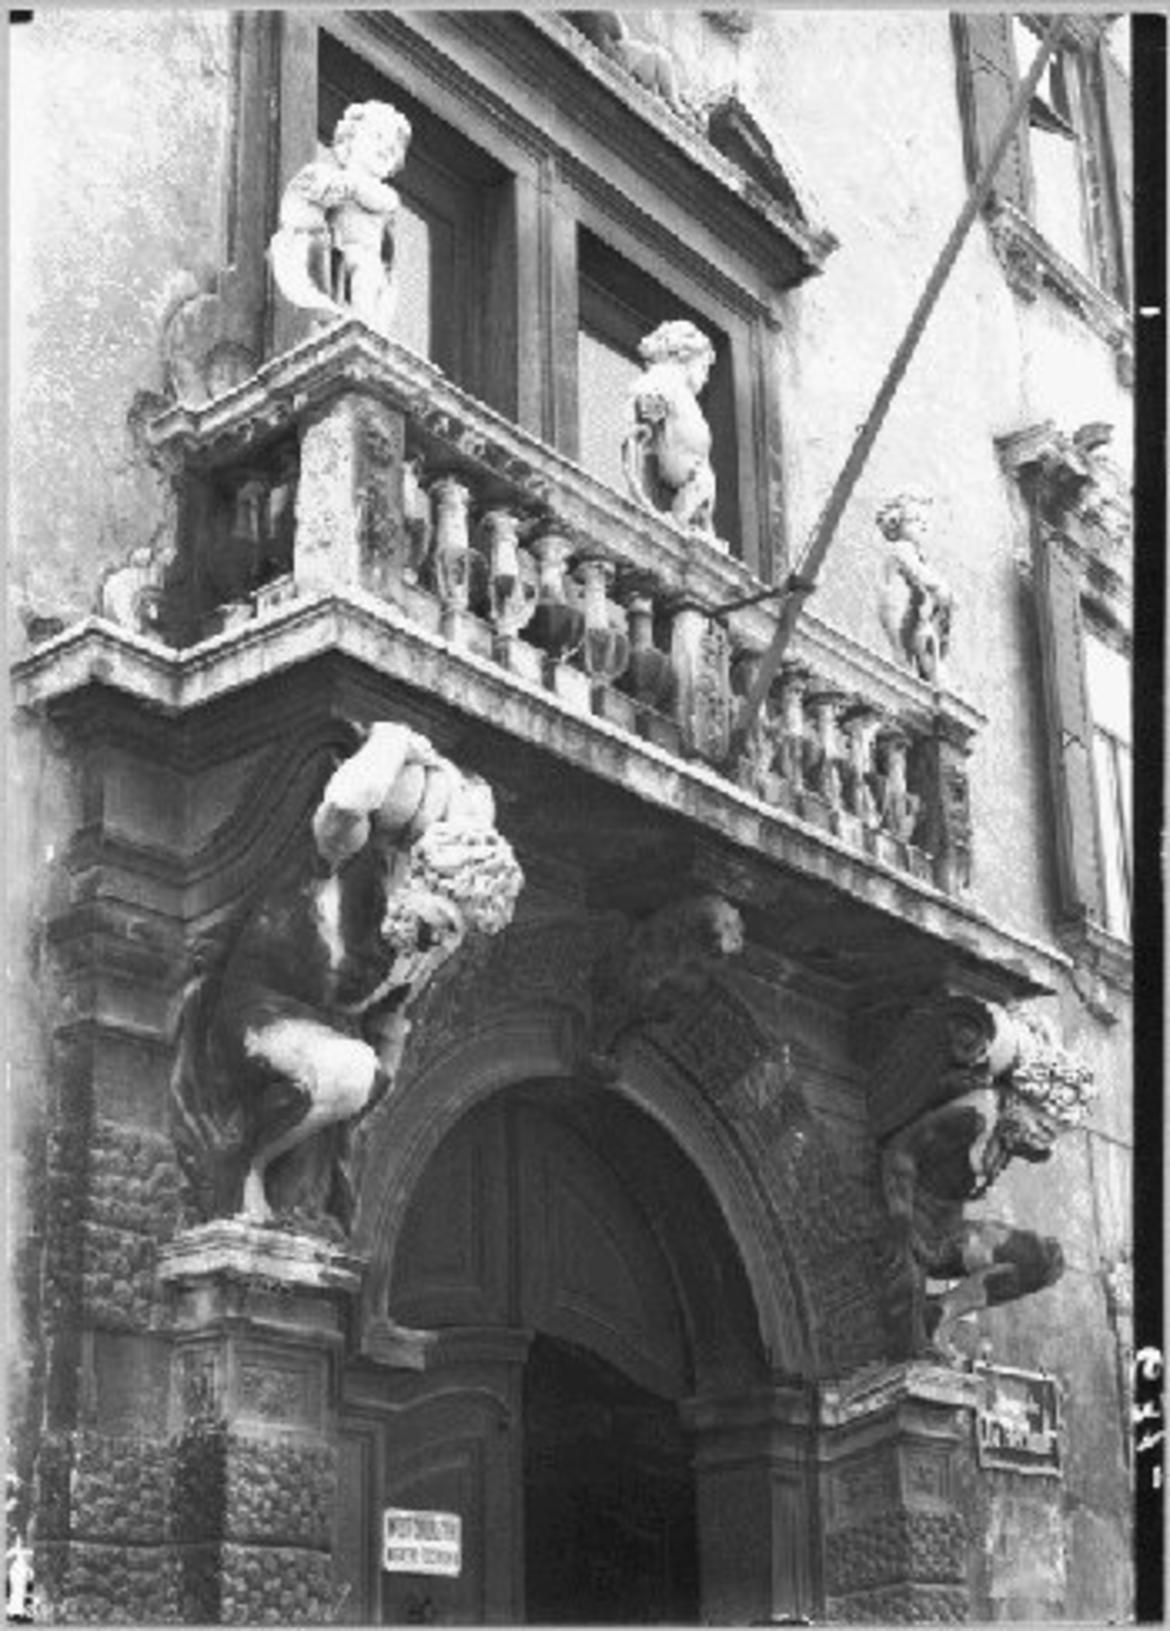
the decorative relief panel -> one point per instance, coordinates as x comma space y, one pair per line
291, 1395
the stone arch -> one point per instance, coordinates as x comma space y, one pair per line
723, 1089
508, 1045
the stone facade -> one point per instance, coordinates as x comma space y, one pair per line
269, 539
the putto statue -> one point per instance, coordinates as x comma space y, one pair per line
296, 1024
666, 454
333, 251
1013, 1095
915, 605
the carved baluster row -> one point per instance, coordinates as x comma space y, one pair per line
836, 761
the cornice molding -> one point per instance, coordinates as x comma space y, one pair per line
1031, 263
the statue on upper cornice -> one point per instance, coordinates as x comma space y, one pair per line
1010, 1092
652, 65
915, 604
333, 251
295, 1022
666, 454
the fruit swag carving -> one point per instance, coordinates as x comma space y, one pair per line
295, 1025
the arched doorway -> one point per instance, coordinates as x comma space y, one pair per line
582, 1286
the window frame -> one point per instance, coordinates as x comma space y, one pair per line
1081, 566
988, 73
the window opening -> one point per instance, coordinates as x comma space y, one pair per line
1056, 130
1108, 678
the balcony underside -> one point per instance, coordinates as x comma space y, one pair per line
625, 819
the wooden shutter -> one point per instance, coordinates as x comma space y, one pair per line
1118, 161
1070, 731
988, 76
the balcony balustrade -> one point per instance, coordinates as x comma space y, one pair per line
350, 464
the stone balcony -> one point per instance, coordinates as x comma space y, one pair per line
348, 496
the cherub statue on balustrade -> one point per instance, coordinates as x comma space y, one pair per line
666, 454
1011, 1103
333, 251
915, 604
295, 1025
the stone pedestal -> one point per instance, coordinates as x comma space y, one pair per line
258, 1317
896, 1470
756, 1494
349, 518
941, 765
701, 655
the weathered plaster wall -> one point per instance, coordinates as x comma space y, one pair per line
121, 121
118, 205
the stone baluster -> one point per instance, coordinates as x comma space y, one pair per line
825, 767
451, 559
558, 622
898, 807
605, 649
280, 517
701, 653
755, 767
859, 723
793, 739
650, 676
418, 526
349, 497
511, 591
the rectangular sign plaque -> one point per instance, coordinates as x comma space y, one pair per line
421, 1542
1018, 1421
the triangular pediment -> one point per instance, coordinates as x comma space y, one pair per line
734, 131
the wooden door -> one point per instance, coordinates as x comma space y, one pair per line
520, 1229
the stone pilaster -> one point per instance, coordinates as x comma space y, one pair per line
896, 1460
755, 1487
350, 529
258, 1319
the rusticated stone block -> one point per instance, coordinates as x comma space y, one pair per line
133, 1204
52, 1479
120, 1489
86, 1583
270, 1585
901, 1605
280, 1494
199, 1485
896, 1546
118, 1277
